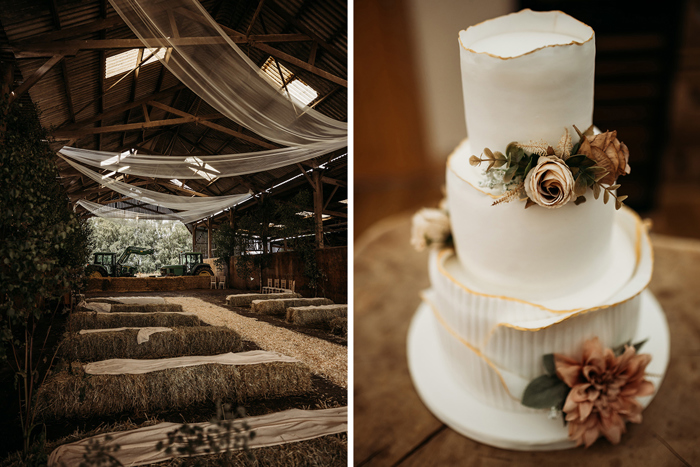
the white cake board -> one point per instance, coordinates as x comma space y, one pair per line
459, 410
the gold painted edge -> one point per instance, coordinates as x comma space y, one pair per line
464, 342
531, 51
640, 233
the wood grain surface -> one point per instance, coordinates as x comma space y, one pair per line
393, 427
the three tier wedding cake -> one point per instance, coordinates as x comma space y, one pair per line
538, 307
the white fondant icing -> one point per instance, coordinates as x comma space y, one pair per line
456, 405
513, 334
531, 96
533, 253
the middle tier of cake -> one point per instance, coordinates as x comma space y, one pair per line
495, 343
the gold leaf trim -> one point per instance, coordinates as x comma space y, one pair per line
466, 343
640, 233
531, 51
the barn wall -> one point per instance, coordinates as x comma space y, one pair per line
289, 266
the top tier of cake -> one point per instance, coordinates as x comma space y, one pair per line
526, 76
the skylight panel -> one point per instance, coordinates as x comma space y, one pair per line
296, 87
127, 61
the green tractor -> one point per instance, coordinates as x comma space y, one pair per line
107, 265
191, 264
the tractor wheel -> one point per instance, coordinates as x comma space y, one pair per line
205, 272
95, 274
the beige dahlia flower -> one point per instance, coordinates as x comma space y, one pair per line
604, 391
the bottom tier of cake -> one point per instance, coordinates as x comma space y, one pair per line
494, 344
461, 408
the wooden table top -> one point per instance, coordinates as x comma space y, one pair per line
393, 427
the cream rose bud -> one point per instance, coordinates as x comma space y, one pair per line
550, 183
431, 227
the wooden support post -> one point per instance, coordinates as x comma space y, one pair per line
194, 237
209, 232
318, 206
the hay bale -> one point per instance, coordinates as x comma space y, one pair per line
339, 326
245, 299
92, 320
278, 306
180, 342
142, 300
316, 315
166, 308
75, 394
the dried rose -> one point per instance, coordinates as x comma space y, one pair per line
608, 152
604, 391
431, 227
550, 183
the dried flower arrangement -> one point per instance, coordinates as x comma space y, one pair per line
597, 394
431, 228
551, 177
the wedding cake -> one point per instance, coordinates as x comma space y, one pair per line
538, 305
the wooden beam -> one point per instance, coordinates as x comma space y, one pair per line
34, 78
209, 233
333, 181
328, 200
300, 63
318, 208
116, 128
35, 49
255, 17
335, 213
215, 126
303, 171
121, 108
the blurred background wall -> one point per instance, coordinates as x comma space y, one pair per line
409, 114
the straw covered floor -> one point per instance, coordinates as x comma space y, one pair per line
179, 341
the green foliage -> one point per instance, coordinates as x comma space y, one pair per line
167, 238
271, 219
225, 435
42, 254
546, 391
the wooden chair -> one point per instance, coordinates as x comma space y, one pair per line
284, 283
222, 282
269, 282
277, 283
212, 283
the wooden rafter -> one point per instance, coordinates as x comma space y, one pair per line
65, 134
333, 181
255, 17
215, 126
300, 63
34, 78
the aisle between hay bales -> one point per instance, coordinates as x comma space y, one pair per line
324, 358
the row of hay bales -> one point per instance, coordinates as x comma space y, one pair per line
71, 392
301, 311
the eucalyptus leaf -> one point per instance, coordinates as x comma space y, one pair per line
580, 185
580, 200
544, 392
606, 197
508, 176
596, 191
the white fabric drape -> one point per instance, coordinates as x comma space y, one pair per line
218, 71
138, 447
181, 203
199, 167
186, 217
